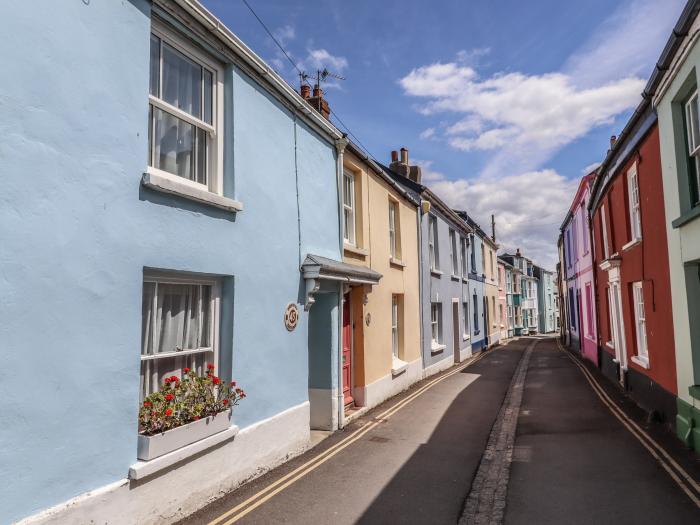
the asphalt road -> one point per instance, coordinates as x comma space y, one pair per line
573, 462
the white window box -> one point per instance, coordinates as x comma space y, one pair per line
641, 361
166, 183
398, 366
151, 447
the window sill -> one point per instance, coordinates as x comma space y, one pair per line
166, 183
397, 262
437, 349
465, 337
354, 250
398, 366
465, 279
436, 273
142, 469
610, 345
641, 361
631, 244
687, 217
455, 278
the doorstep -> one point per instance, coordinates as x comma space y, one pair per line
353, 412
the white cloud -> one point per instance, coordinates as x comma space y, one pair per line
539, 113
427, 133
320, 58
285, 34
528, 207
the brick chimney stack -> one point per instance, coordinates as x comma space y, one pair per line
317, 102
402, 167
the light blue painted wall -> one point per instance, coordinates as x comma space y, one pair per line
441, 288
476, 287
77, 230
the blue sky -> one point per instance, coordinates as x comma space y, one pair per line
505, 104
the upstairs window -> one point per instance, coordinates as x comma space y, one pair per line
483, 260
604, 227
178, 328
433, 251
633, 202
475, 311
184, 131
394, 236
692, 127
349, 207
463, 247
454, 256
473, 254
584, 234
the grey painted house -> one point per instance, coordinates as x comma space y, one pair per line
445, 244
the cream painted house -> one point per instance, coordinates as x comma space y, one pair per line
381, 329
493, 321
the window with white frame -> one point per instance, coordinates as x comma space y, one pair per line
180, 319
465, 319
509, 288
475, 311
584, 236
454, 255
185, 129
473, 253
604, 227
349, 206
692, 127
433, 251
483, 260
500, 314
491, 263
395, 325
493, 311
633, 201
394, 231
463, 248
436, 324
640, 318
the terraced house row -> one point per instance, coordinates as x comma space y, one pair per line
629, 270
174, 215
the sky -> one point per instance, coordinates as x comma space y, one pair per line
504, 104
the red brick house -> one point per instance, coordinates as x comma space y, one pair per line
635, 335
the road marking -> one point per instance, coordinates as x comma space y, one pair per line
486, 502
680, 476
285, 481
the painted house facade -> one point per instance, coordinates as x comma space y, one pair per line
546, 300
578, 273
673, 89
445, 248
157, 230
502, 301
509, 288
631, 266
382, 354
493, 320
525, 286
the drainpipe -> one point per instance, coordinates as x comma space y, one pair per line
340, 145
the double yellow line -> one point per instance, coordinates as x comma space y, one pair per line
677, 473
236, 513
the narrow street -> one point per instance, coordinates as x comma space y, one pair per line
419, 458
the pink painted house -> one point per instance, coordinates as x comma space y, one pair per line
579, 286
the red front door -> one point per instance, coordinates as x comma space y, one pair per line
347, 351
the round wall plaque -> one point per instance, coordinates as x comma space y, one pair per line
291, 316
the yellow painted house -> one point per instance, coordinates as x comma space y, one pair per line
381, 324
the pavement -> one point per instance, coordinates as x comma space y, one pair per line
568, 459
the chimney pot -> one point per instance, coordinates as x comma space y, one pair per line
305, 91
394, 156
318, 92
404, 156
613, 140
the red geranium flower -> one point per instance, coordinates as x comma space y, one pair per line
216, 380
169, 397
186, 370
210, 366
233, 383
242, 394
238, 391
168, 412
167, 380
225, 402
147, 403
174, 379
